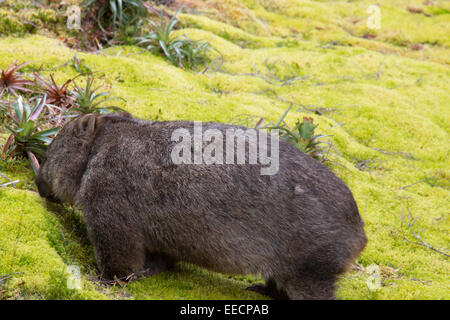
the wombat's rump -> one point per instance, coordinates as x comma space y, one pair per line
299, 228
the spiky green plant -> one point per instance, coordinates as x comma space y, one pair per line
302, 135
80, 66
27, 138
87, 100
127, 33
180, 51
115, 14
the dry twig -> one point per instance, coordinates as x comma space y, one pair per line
6, 277
416, 235
406, 155
9, 183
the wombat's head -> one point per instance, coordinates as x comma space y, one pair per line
60, 173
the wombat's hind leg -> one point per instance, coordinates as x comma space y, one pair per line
269, 289
156, 263
311, 287
117, 264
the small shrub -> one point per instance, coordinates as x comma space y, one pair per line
59, 96
113, 15
11, 24
182, 52
27, 138
80, 66
12, 82
87, 100
302, 135
59, 99
126, 33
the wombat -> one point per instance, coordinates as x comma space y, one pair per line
299, 228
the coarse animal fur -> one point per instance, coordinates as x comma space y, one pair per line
299, 229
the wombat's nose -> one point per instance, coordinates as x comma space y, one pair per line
42, 186
44, 189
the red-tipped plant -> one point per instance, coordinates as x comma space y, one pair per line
11, 81
59, 96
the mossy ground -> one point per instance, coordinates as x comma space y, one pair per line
384, 104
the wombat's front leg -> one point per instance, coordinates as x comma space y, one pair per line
119, 251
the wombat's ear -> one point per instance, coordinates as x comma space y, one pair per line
87, 124
126, 114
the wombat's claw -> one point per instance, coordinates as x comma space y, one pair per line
268, 290
258, 287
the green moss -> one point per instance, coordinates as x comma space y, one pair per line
384, 106
27, 234
10, 24
44, 17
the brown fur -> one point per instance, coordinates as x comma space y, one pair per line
144, 212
